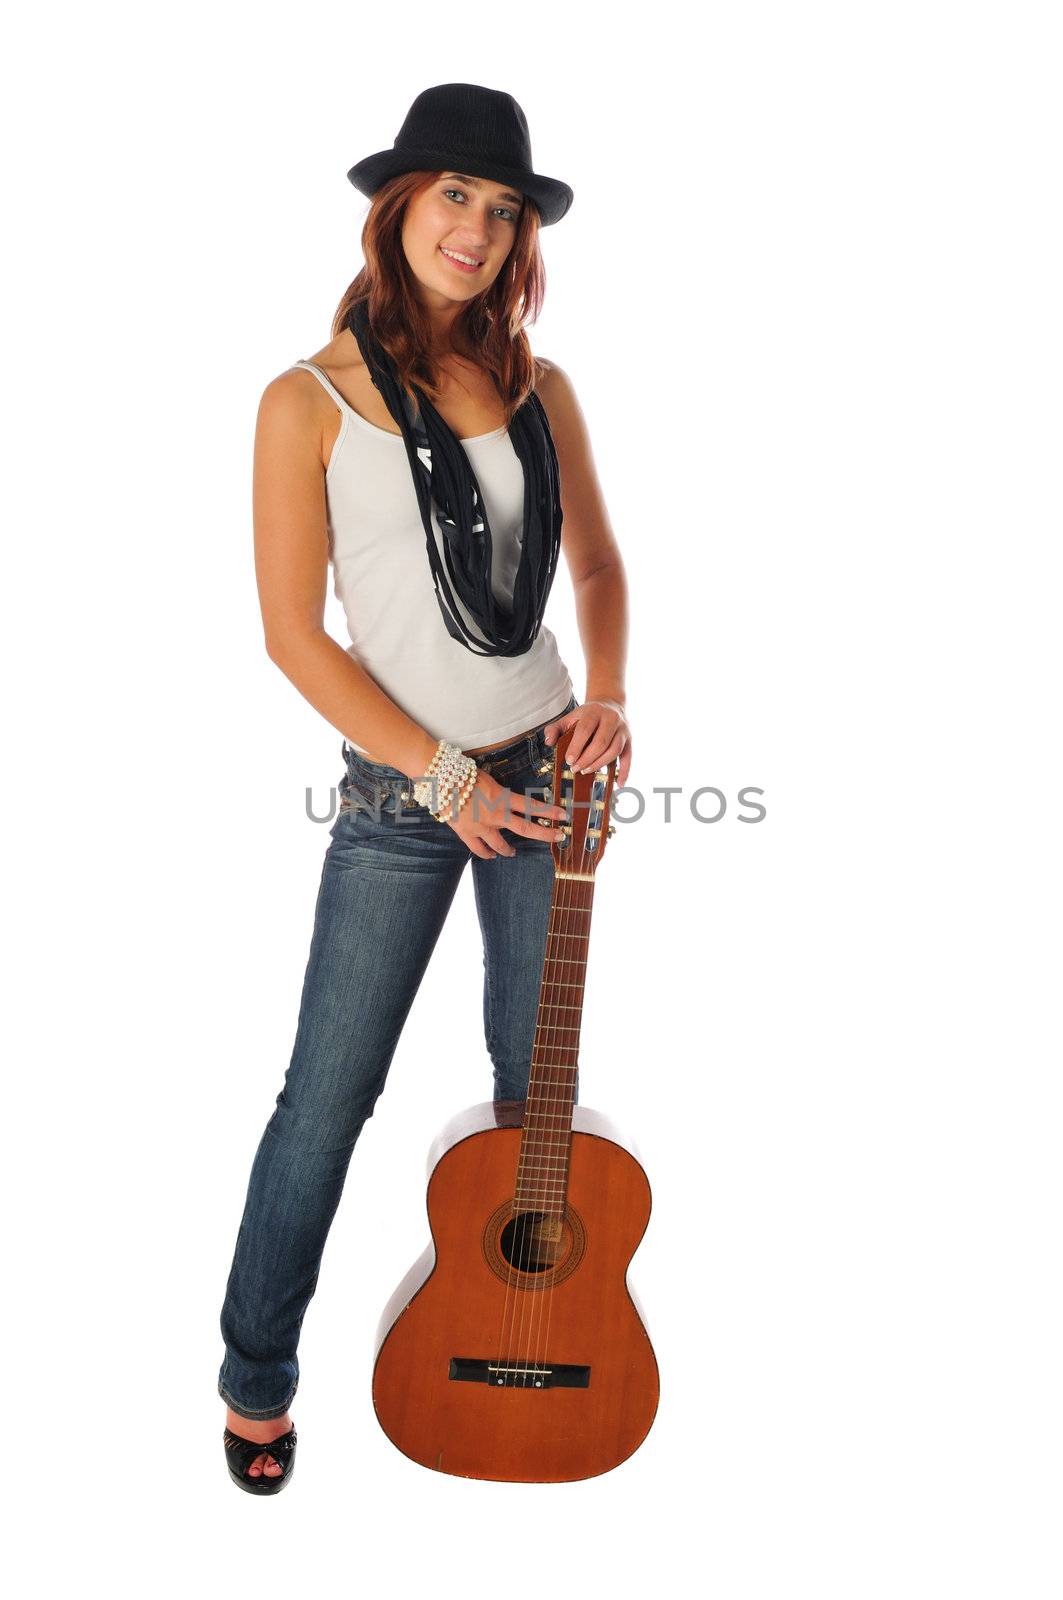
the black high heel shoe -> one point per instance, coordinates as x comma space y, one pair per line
239, 1454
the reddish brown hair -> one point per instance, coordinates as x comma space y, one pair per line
492, 323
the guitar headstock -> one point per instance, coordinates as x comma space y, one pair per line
586, 798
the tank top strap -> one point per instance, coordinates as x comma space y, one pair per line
325, 381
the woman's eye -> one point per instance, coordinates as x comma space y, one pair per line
510, 215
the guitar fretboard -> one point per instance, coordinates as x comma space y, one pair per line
546, 1140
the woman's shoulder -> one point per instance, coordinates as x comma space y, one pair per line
341, 355
543, 369
343, 367
554, 389
342, 363
332, 359
551, 377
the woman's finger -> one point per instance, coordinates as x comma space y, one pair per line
612, 751
501, 846
583, 732
553, 730
531, 805
601, 731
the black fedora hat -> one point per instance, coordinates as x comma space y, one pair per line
463, 127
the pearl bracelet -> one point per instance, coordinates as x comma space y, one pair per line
423, 788
460, 777
463, 794
454, 770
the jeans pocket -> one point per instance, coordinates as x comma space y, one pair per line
541, 751
502, 768
377, 785
354, 795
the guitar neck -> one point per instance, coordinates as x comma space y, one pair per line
542, 1170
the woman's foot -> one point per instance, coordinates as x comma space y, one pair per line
259, 1432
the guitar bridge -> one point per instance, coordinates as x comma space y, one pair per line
519, 1374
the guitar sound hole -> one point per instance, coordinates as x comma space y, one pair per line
531, 1241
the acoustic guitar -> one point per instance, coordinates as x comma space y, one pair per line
514, 1349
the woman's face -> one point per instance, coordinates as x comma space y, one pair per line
470, 216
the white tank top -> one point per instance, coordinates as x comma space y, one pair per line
384, 583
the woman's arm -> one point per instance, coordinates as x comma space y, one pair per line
291, 566
599, 582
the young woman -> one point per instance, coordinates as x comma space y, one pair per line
422, 450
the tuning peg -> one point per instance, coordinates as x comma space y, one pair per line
610, 831
547, 766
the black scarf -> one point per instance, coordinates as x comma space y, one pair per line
444, 481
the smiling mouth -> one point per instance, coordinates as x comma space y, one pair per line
463, 266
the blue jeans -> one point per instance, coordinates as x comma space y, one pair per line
389, 877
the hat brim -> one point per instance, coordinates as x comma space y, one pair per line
552, 197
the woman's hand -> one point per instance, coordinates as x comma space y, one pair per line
601, 733
490, 808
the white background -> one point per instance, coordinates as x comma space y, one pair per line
808, 294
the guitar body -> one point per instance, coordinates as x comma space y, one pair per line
493, 1363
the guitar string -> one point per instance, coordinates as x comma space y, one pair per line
571, 928
549, 1176
562, 1079
549, 1309
519, 1227
584, 899
545, 1178
545, 1105
559, 1086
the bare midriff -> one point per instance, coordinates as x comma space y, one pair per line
482, 749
